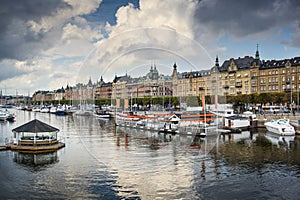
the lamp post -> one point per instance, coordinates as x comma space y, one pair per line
290, 83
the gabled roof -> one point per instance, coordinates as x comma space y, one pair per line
241, 63
35, 126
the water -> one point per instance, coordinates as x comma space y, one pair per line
102, 162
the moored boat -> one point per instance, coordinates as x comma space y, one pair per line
280, 126
102, 114
3, 115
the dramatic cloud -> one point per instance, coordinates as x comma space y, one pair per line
30, 29
47, 44
156, 31
242, 19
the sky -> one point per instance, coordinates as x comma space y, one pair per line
47, 44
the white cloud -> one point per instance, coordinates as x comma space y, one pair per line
158, 30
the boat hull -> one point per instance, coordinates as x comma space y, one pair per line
285, 130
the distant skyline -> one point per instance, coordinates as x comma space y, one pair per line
47, 44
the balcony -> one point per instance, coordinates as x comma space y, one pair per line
201, 89
254, 77
287, 89
239, 92
226, 86
238, 85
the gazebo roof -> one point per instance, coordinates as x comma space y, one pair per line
35, 126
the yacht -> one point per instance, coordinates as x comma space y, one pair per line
280, 126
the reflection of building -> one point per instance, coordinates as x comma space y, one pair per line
35, 159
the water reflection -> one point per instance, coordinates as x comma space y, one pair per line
102, 161
36, 161
279, 140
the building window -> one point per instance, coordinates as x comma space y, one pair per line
293, 78
276, 72
283, 78
283, 71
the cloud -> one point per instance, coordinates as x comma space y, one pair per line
50, 38
31, 26
10, 68
33, 30
156, 31
246, 19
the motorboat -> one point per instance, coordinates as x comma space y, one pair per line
102, 114
60, 110
280, 126
44, 109
3, 115
7, 116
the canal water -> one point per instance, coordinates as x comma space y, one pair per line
104, 162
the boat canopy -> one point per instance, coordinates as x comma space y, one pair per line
35, 126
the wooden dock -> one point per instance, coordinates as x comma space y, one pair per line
32, 149
4, 148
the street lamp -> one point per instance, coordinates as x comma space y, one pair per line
291, 88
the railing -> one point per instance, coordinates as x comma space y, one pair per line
238, 85
37, 142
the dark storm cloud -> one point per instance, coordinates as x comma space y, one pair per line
17, 40
244, 18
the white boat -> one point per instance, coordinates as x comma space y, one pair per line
44, 109
280, 126
102, 114
3, 115
236, 122
53, 110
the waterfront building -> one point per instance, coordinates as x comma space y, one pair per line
190, 83
68, 93
152, 84
279, 75
235, 75
247, 75
42, 95
103, 89
59, 94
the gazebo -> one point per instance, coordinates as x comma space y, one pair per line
36, 135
